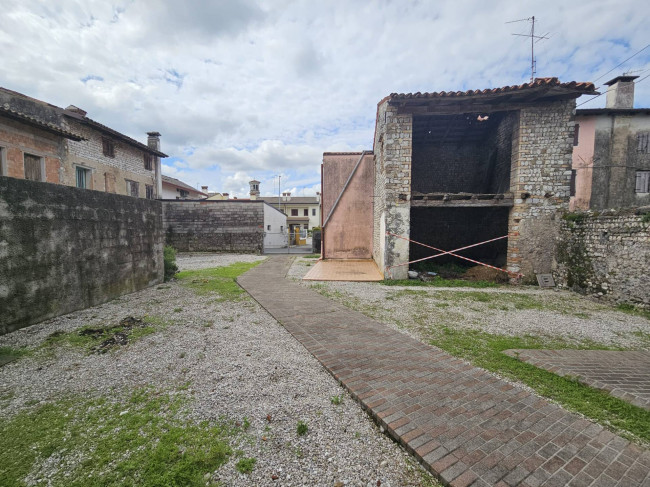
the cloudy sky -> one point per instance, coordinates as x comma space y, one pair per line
246, 90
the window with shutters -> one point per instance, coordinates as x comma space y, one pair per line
576, 134
305, 212
108, 147
643, 181
313, 212
642, 142
34, 167
294, 212
148, 162
132, 188
149, 189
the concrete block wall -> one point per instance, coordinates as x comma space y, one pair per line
63, 249
540, 180
606, 255
214, 226
392, 148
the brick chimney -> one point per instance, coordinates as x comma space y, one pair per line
153, 141
620, 93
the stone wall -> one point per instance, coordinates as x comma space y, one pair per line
392, 148
540, 180
606, 255
63, 249
214, 225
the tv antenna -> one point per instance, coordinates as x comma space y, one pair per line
533, 40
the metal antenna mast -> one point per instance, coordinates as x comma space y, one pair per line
533, 40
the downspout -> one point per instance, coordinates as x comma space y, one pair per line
322, 228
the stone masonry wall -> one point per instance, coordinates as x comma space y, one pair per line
63, 249
540, 179
214, 226
393, 138
607, 255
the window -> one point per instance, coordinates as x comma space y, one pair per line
313, 212
282, 228
642, 142
83, 177
305, 212
643, 181
34, 167
305, 226
184, 193
268, 227
148, 162
149, 189
132, 188
294, 212
572, 184
3, 162
576, 134
108, 147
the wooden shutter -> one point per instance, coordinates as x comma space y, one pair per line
576, 134
642, 180
572, 184
33, 167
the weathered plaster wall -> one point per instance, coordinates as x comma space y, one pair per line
582, 163
616, 160
63, 249
17, 139
540, 180
348, 233
214, 225
275, 228
108, 173
607, 255
392, 148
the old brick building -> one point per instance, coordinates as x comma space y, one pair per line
43, 142
453, 169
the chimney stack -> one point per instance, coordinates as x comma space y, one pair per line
204, 189
621, 92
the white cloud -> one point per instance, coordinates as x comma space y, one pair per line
262, 88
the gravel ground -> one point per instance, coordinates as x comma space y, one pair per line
565, 314
239, 362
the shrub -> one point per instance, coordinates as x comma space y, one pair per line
169, 256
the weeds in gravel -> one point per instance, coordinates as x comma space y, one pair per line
219, 280
246, 465
77, 442
302, 428
10, 354
439, 282
633, 310
336, 400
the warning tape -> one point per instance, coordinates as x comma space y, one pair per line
451, 252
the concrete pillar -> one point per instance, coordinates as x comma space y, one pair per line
153, 141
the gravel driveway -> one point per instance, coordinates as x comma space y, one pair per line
233, 360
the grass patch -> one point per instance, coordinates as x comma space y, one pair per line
302, 428
485, 350
311, 256
439, 282
633, 310
246, 465
336, 400
101, 339
219, 280
95, 442
10, 354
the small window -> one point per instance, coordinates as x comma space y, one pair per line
34, 169
643, 181
3, 162
305, 212
305, 226
576, 134
108, 147
132, 188
313, 212
572, 184
148, 162
149, 189
642, 142
268, 227
184, 193
294, 212
282, 228
83, 177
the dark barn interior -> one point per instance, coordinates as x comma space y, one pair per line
463, 153
460, 185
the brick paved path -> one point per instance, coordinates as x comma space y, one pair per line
464, 424
622, 374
